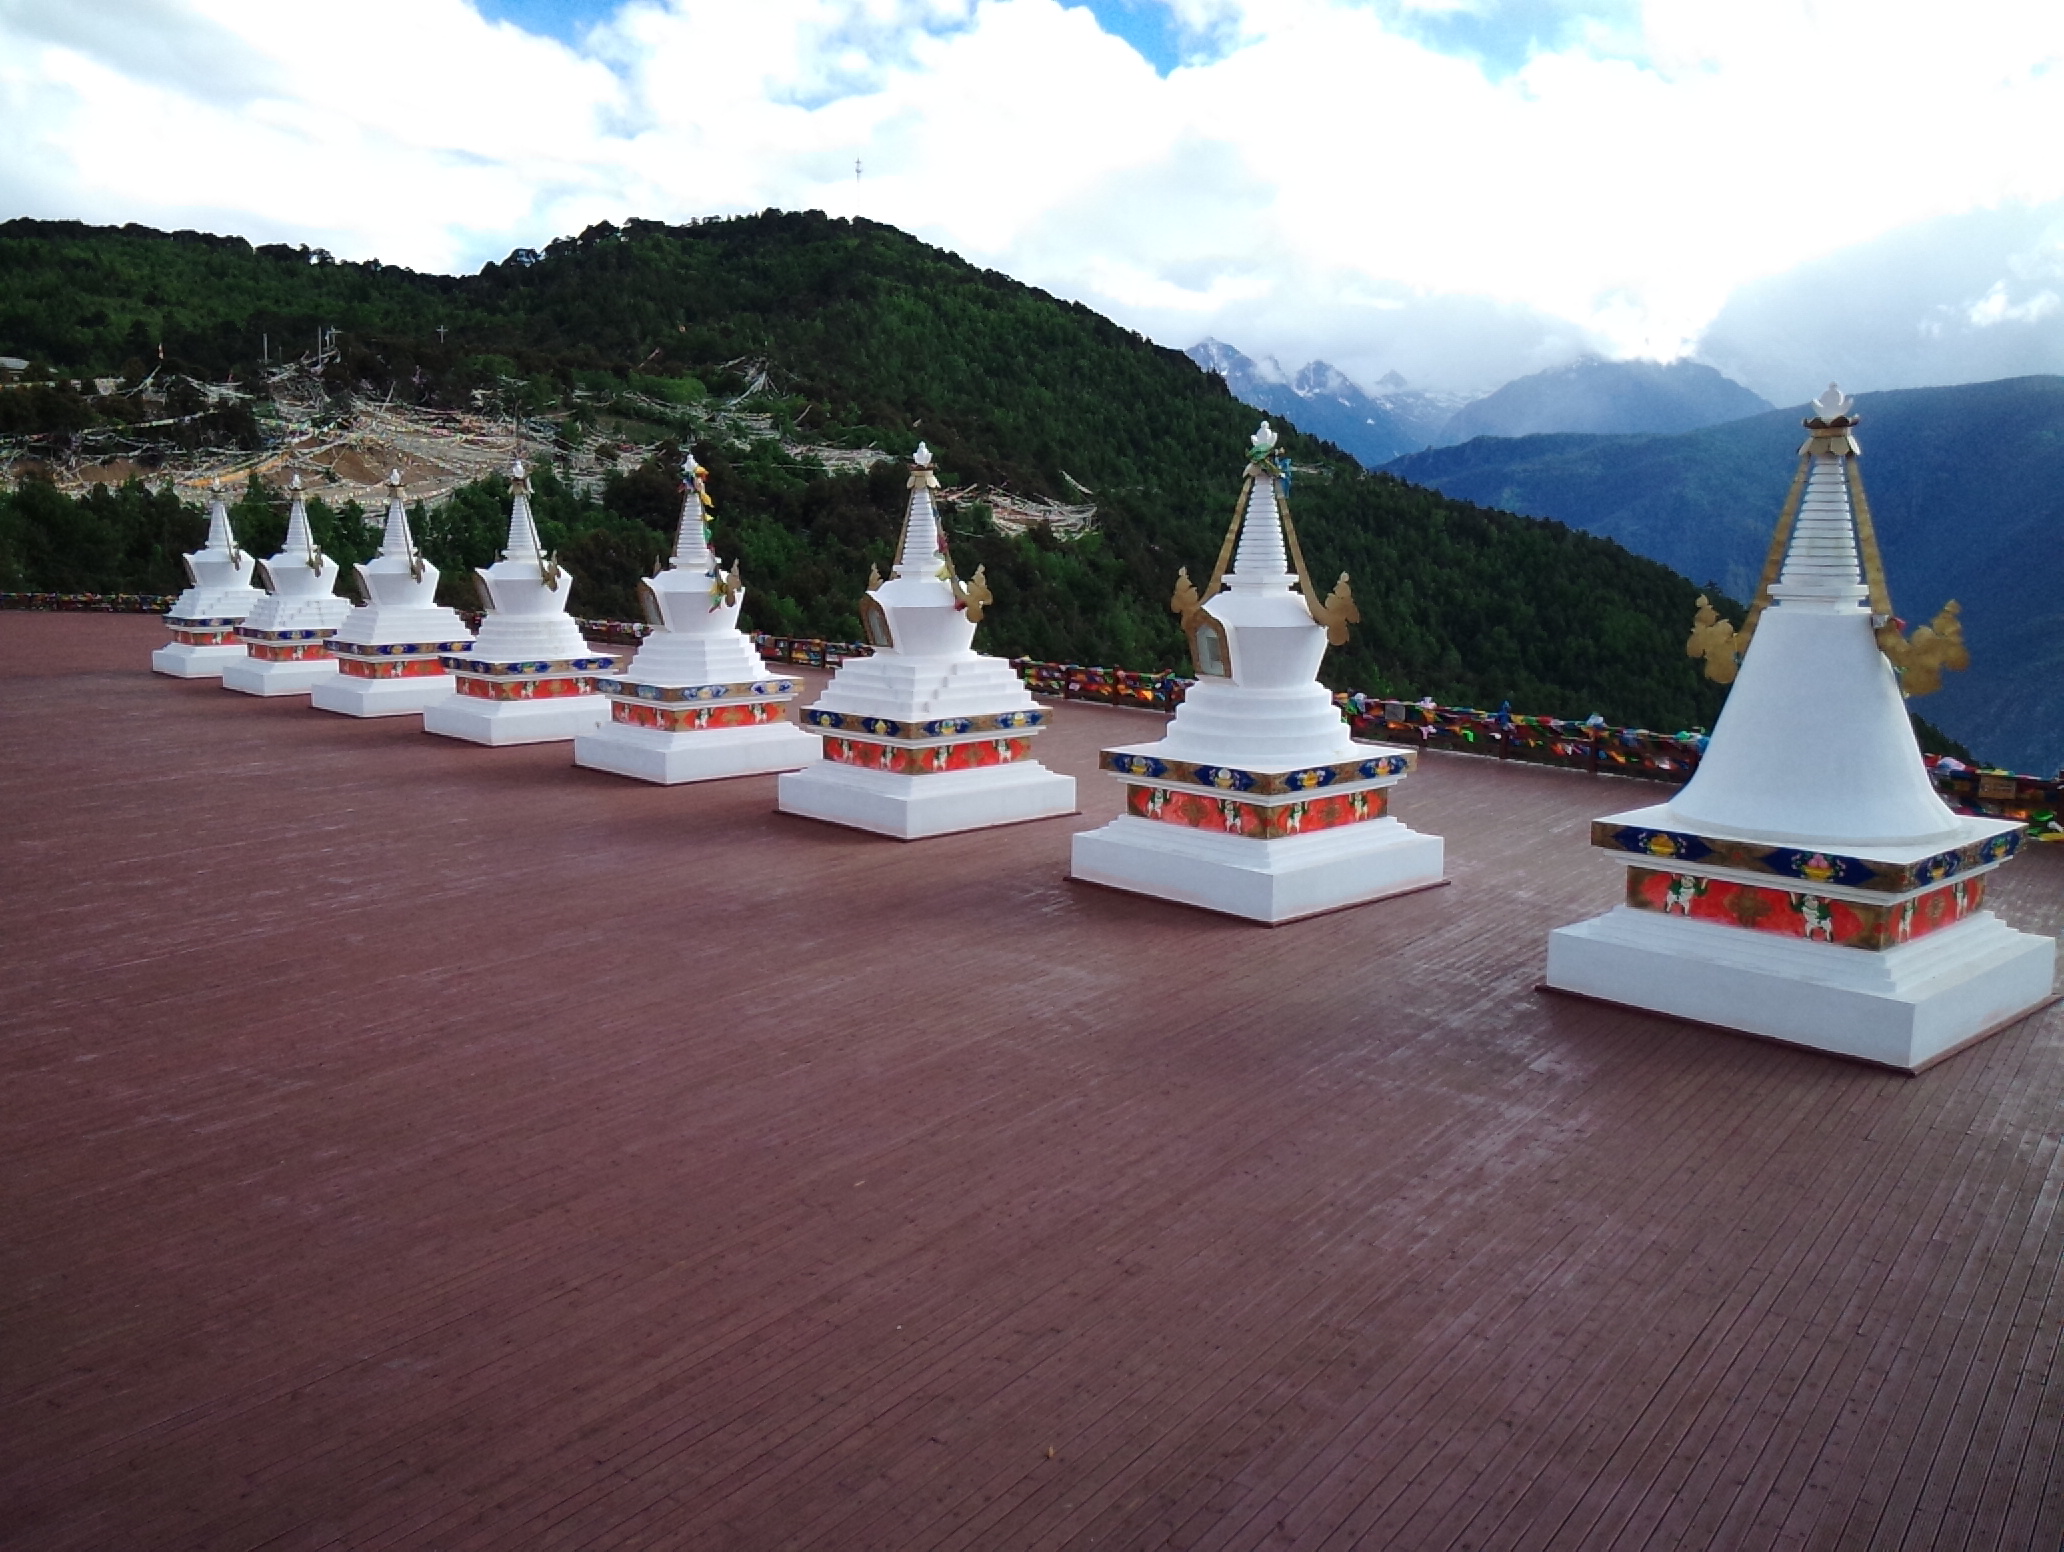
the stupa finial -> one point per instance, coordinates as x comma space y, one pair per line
221, 536
300, 542
691, 543
1261, 563
923, 551
523, 534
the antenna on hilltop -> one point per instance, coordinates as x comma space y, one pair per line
856, 169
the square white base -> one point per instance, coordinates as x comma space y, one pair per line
1902, 1007
707, 754
549, 721
264, 676
184, 661
1265, 881
352, 696
913, 807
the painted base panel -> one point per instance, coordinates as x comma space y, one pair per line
1902, 1007
650, 754
186, 662
260, 676
913, 807
352, 696
549, 721
1266, 881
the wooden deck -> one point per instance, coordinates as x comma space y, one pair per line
408, 1144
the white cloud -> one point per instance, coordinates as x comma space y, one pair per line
1315, 177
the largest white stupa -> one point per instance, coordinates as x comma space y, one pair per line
1807, 884
926, 736
1259, 802
204, 619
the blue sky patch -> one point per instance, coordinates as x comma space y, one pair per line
566, 20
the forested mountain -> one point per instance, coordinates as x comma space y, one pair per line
1604, 396
848, 334
1966, 485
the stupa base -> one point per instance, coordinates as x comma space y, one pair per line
1271, 881
265, 676
353, 696
551, 720
707, 754
1901, 1007
183, 661
911, 808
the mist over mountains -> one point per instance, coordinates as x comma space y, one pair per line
1966, 484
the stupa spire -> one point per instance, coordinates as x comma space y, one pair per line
691, 544
1261, 563
923, 554
221, 536
1822, 564
523, 535
396, 540
300, 542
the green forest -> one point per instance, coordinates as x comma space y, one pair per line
843, 334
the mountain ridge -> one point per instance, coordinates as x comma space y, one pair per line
1966, 484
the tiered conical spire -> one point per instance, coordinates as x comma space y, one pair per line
300, 541
1822, 564
220, 535
691, 544
1261, 563
923, 554
397, 540
523, 534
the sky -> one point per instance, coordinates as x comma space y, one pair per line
1461, 191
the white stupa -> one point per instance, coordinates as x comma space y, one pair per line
1258, 802
204, 619
389, 650
1807, 884
926, 736
697, 702
529, 676
288, 630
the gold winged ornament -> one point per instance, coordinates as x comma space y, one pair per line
973, 596
1715, 640
1920, 658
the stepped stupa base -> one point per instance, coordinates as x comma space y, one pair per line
1902, 1007
912, 808
288, 676
183, 661
402, 696
548, 720
712, 754
1270, 881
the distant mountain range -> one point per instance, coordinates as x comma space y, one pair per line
1966, 484
1395, 419
1372, 428
1605, 396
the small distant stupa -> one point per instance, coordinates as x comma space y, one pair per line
390, 649
697, 702
288, 630
204, 619
1258, 802
1807, 884
529, 676
926, 736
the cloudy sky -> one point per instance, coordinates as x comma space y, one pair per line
1459, 190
